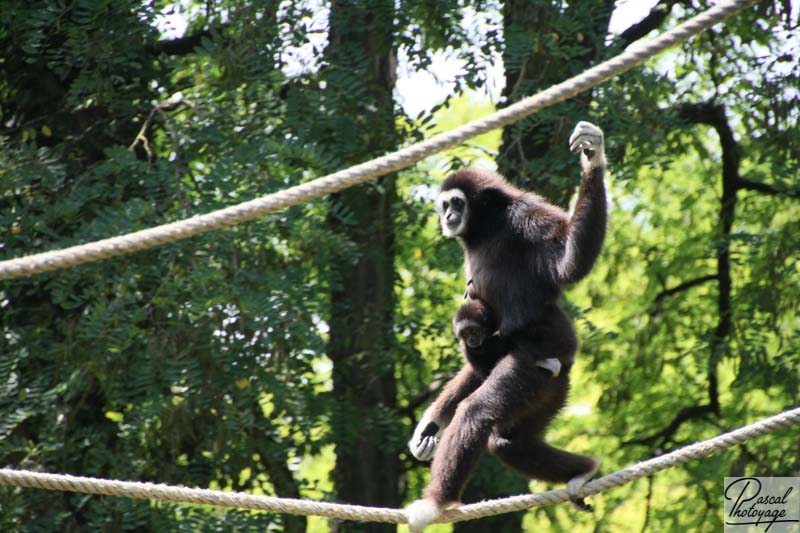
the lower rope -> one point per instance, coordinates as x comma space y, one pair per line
151, 491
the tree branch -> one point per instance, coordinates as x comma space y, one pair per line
652, 21
712, 114
661, 438
686, 285
766, 188
181, 46
648, 504
168, 105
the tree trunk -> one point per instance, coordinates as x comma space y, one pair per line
360, 78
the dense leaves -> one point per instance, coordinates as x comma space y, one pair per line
292, 355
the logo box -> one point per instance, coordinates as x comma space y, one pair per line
759, 504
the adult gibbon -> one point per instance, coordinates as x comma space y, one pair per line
519, 253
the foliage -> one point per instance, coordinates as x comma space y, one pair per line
208, 362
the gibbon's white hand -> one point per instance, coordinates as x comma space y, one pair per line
587, 140
425, 439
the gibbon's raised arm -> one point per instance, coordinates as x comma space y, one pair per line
587, 226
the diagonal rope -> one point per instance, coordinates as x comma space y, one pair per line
633, 56
132, 489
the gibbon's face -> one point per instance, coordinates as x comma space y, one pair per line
453, 212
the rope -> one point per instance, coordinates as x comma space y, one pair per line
633, 56
131, 489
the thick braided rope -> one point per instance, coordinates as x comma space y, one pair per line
632, 473
130, 489
633, 56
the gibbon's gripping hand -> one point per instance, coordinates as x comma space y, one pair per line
425, 439
587, 139
552, 364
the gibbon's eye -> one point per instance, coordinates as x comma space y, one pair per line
457, 202
444, 205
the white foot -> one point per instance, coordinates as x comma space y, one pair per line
421, 513
575, 484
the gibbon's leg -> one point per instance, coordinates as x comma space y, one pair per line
536, 459
521, 383
522, 449
518, 443
473, 324
436, 417
506, 394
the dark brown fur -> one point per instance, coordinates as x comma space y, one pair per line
519, 252
476, 319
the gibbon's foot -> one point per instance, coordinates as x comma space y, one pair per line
421, 513
579, 504
552, 364
588, 140
574, 485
